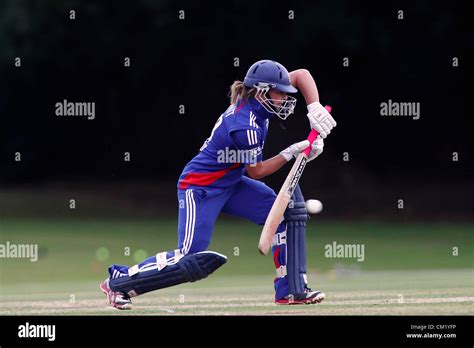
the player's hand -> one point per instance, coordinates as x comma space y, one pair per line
294, 150
320, 119
316, 148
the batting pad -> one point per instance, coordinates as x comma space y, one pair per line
190, 268
296, 217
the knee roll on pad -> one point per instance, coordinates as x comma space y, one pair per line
297, 212
190, 268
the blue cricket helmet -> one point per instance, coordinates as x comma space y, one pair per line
269, 72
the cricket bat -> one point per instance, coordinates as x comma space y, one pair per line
275, 216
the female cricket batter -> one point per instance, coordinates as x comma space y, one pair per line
214, 181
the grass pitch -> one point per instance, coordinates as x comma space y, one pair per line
436, 292
407, 269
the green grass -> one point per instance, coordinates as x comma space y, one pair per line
68, 247
412, 260
437, 292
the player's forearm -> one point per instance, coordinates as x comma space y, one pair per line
266, 167
305, 83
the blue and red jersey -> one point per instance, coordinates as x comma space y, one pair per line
237, 139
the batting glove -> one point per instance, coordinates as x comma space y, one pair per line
320, 119
294, 150
316, 148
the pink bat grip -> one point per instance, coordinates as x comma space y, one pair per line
313, 135
311, 138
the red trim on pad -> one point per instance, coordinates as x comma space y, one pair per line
275, 257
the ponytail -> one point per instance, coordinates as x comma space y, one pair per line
238, 92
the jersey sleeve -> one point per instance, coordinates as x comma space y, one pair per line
248, 145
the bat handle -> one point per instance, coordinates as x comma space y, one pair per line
313, 135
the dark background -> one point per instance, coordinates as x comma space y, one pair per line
191, 62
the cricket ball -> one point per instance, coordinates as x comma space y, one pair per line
314, 206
